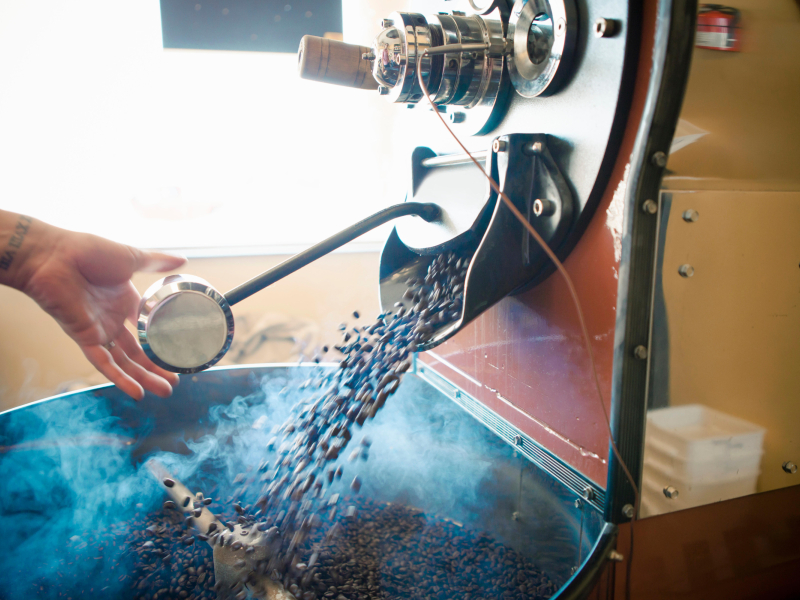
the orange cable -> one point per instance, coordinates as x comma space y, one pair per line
567, 279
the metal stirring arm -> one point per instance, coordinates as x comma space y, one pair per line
230, 566
186, 326
429, 212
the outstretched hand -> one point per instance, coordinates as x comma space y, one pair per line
84, 282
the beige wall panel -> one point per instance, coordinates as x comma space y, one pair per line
37, 358
748, 104
734, 327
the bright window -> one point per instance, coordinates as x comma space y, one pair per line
207, 152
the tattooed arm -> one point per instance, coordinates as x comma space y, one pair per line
83, 282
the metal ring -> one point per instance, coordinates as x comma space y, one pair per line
544, 34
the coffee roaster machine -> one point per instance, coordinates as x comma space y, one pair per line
571, 107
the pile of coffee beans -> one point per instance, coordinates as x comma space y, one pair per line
373, 359
319, 549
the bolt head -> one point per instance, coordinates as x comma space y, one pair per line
649, 207
605, 28
671, 492
686, 271
790, 467
499, 146
690, 216
383, 90
627, 511
659, 159
640, 352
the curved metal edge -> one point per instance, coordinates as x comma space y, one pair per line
673, 46
585, 579
169, 286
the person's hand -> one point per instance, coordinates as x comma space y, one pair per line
83, 282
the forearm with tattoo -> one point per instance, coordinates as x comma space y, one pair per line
15, 242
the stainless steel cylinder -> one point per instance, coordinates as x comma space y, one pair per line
463, 82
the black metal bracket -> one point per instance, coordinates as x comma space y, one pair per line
506, 258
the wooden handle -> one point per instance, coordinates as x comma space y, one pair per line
331, 61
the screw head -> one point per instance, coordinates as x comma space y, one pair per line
543, 207
640, 352
518, 440
659, 159
499, 146
383, 90
690, 216
650, 207
588, 494
627, 511
686, 271
534, 148
457, 117
605, 28
671, 492
790, 467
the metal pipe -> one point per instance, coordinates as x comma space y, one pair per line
428, 211
451, 160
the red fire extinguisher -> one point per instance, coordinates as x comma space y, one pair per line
718, 28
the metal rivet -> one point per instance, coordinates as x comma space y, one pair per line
367, 56
588, 494
383, 90
640, 352
499, 145
605, 28
686, 270
627, 511
534, 147
616, 556
690, 216
790, 467
457, 117
659, 159
671, 492
386, 23
543, 207
518, 440
649, 207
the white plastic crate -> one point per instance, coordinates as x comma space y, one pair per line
696, 433
714, 469
706, 455
690, 493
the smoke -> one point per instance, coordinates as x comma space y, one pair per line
73, 469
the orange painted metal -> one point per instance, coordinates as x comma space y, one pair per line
747, 547
525, 357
